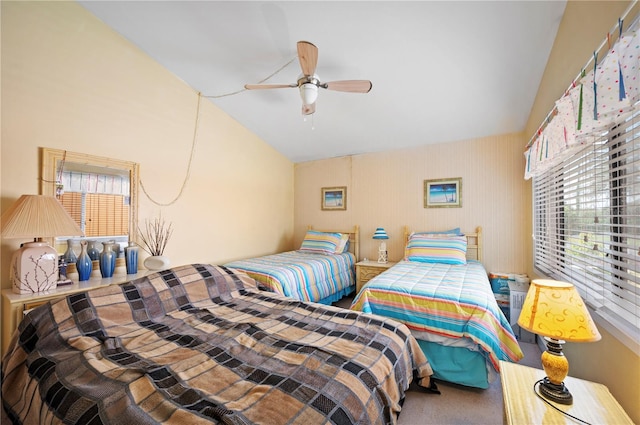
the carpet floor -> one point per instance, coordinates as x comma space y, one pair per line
458, 404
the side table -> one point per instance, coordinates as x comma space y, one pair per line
592, 402
14, 305
367, 270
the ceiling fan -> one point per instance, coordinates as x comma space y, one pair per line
309, 82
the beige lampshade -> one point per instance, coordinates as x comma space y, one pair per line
555, 309
38, 216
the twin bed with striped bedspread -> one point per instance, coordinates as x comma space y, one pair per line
451, 310
303, 275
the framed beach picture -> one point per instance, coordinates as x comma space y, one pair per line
334, 198
443, 193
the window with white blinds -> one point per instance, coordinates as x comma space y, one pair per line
587, 221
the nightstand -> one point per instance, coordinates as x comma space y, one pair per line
14, 305
367, 270
592, 402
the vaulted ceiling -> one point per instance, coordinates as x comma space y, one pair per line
442, 71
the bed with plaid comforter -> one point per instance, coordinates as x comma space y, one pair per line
201, 344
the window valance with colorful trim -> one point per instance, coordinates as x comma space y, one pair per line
599, 99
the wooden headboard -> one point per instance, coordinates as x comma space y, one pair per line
474, 243
354, 238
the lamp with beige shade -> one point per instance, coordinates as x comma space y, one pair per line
34, 267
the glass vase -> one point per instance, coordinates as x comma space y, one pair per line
92, 250
107, 260
115, 247
70, 255
131, 258
83, 263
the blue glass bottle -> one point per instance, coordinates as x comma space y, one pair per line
83, 263
115, 247
70, 255
131, 258
92, 250
107, 260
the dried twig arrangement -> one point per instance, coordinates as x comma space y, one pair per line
155, 235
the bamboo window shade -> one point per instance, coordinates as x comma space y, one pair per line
105, 214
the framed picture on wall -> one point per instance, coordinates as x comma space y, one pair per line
443, 193
334, 198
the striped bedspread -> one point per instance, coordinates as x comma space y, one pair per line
303, 276
451, 301
199, 344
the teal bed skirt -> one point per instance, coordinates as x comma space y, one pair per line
457, 364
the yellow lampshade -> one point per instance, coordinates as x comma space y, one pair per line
555, 309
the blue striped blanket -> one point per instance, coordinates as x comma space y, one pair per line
301, 275
452, 301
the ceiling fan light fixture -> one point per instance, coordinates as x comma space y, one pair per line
308, 93
308, 81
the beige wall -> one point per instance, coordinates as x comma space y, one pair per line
386, 190
69, 82
583, 28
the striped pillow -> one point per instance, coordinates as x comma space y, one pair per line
343, 246
320, 242
447, 249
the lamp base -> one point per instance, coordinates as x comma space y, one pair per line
554, 392
382, 253
382, 256
556, 366
34, 268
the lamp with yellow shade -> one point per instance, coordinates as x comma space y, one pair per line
34, 267
555, 310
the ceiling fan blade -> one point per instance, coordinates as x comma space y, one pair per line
353, 86
269, 86
308, 57
308, 109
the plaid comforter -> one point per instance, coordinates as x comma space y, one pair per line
303, 276
200, 344
452, 301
